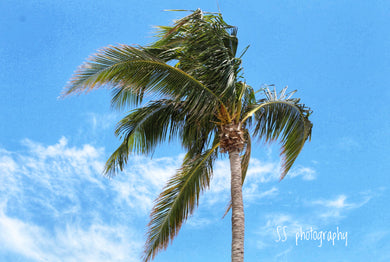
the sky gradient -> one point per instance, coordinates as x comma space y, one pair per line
55, 205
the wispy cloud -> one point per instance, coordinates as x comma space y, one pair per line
54, 202
97, 242
258, 183
306, 173
101, 122
143, 180
197, 221
253, 192
337, 207
263, 172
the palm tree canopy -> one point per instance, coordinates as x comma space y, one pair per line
194, 90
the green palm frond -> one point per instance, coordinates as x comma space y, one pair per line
280, 117
199, 134
248, 99
205, 47
133, 73
144, 128
178, 200
247, 156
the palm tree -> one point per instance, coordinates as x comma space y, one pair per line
188, 85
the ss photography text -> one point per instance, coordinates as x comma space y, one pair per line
313, 235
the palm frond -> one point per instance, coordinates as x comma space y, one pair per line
199, 133
247, 156
248, 99
280, 117
205, 47
135, 72
144, 128
178, 200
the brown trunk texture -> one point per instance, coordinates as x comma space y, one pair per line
238, 219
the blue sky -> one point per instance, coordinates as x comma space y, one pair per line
56, 206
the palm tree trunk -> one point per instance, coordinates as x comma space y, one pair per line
238, 219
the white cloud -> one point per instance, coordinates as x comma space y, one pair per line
259, 183
307, 173
143, 180
101, 122
258, 174
98, 242
339, 202
337, 207
196, 221
263, 172
253, 193
7, 164
18, 237
56, 205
